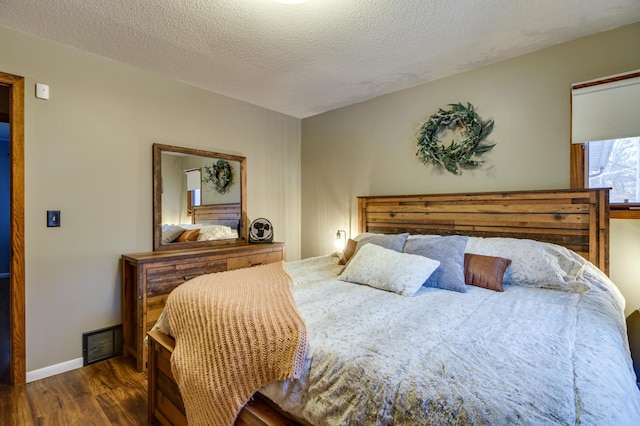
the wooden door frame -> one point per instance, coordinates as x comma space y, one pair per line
18, 371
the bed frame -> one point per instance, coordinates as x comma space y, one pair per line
576, 219
165, 402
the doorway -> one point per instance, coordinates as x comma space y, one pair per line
5, 247
12, 113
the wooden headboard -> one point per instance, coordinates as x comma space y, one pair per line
220, 214
577, 219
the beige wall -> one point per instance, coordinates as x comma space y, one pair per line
369, 148
88, 154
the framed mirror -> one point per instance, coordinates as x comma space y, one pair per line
199, 198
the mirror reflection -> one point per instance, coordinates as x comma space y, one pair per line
198, 198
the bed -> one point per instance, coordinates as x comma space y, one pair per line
210, 223
550, 348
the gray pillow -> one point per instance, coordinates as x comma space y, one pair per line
393, 242
450, 252
170, 233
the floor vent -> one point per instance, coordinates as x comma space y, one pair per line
102, 344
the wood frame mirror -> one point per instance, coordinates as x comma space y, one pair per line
172, 207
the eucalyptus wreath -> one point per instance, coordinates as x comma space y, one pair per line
220, 175
461, 153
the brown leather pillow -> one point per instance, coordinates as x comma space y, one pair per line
348, 252
485, 271
189, 235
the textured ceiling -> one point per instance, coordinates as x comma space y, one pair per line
308, 58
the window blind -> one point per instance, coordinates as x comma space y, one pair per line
193, 179
608, 108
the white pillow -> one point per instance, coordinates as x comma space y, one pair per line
216, 232
190, 226
533, 263
389, 270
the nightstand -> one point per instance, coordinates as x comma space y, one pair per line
633, 334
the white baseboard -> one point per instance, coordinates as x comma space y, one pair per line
52, 370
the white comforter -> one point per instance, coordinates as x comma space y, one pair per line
525, 356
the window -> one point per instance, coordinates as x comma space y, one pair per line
605, 136
614, 164
193, 200
193, 189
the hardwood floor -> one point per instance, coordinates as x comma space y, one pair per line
110, 392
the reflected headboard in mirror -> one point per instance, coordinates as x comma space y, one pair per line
198, 190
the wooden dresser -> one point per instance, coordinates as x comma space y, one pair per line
148, 278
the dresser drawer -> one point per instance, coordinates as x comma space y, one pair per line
254, 260
161, 279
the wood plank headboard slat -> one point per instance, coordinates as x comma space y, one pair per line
575, 218
222, 214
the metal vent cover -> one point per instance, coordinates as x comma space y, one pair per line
101, 344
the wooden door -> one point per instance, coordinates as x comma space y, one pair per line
17, 367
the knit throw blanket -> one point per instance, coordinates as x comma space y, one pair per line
235, 332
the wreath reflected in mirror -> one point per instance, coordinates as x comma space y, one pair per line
464, 149
219, 175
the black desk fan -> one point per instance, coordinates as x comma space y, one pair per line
261, 231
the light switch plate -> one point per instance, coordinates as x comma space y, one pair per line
53, 218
